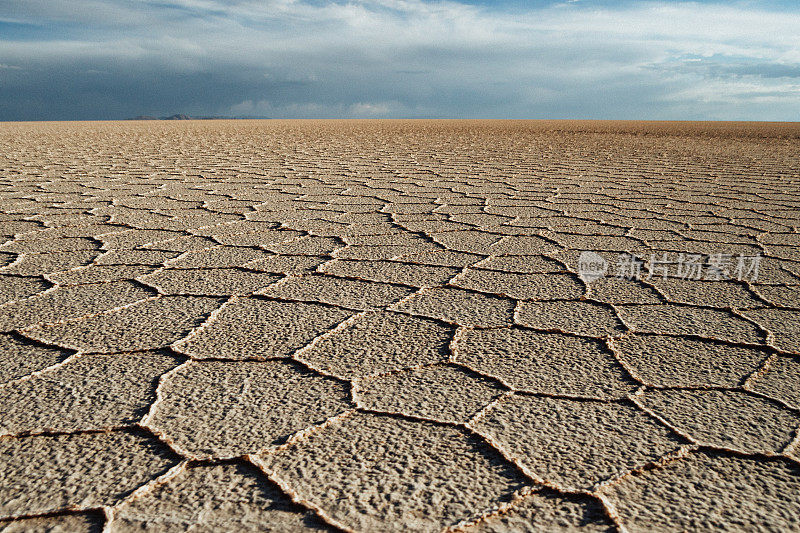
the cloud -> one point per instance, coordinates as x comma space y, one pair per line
392, 58
264, 108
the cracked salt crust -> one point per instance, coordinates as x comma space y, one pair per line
379, 326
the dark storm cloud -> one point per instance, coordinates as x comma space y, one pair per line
105, 89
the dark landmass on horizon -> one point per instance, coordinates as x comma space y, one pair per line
179, 116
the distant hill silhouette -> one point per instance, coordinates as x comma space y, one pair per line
177, 117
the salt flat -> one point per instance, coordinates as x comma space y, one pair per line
399, 325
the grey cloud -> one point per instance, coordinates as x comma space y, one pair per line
761, 70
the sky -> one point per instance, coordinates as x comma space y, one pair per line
115, 59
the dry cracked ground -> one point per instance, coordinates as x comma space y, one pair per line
379, 326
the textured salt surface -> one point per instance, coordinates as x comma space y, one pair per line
379, 326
